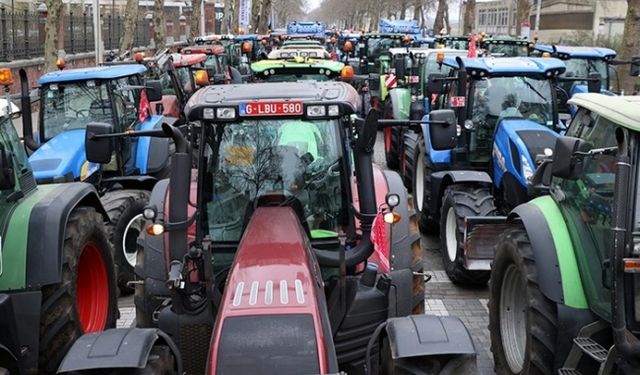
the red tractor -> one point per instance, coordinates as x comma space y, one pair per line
288, 251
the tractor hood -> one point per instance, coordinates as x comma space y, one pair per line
273, 293
530, 136
62, 158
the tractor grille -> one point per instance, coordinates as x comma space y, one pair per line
194, 348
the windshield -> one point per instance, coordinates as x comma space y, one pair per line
432, 65
507, 50
212, 64
10, 142
68, 106
581, 68
456, 43
185, 77
298, 160
378, 46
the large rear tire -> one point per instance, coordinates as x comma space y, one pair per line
421, 183
392, 140
410, 143
152, 291
417, 266
459, 202
125, 213
85, 299
522, 321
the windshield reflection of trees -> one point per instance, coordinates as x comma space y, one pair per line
298, 160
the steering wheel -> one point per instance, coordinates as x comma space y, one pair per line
82, 113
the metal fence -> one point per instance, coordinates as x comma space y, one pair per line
22, 32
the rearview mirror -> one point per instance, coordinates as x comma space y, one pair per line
593, 84
7, 179
368, 131
443, 130
635, 67
435, 84
154, 90
566, 163
399, 66
98, 150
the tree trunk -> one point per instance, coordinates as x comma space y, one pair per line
630, 46
446, 17
417, 10
158, 25
438, 23
226, 19
265, 17
130, 25
255, 17
469, 17
196, 14
522, 14
51, 28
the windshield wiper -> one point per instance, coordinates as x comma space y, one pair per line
533, 89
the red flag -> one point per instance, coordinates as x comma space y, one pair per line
333, 56
472, 46
145, 107
380, 254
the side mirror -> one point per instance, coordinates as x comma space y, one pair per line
7, 179
99, 150
593, 84
154, 90
368, 131
635, 67
435, 84
566, 164
362, 52
443, 131
399, 66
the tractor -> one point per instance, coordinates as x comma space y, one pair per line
453, 42
272, 257
564, 283
504, 46
69, 100
57, 278
217, 65
506, 117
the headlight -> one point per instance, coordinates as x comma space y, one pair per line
226, 113
527, 171
316, 111
468, 124
334, 110
458, 130
207, 113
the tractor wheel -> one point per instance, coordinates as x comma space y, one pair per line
410, 142
125, 212
392, 140
522, 321
161, 361
421, 182
417, 266
459, 202
85, 299
152, 292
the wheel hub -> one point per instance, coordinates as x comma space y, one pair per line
130, 239
513, 318
419, 176
451, 231
92, 289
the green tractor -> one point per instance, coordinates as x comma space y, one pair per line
57, 277
565, 281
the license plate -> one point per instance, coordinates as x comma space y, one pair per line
414, 79
458, 101
271, 109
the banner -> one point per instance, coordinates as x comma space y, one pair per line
244, 12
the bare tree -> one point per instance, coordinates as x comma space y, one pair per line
130, 25
630, 43
159, 25
196, 14
51, 28
469, 17
522, 15
438, 23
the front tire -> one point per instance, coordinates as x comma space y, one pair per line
421, 182
522, 321
124, 208
459, 202
85, 299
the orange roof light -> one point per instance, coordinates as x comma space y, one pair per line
347, 73
348, 47
6, 77
333, 40
247, 47
440, 57
631, 265
60, 63
202, 78
138, 57
546, 54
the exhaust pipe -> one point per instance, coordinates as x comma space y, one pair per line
25, 104
367, 197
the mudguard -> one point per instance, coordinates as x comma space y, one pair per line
19, 329
400, 103
440, 181
556, 265
116, 348
48, 218
428, 335
436, 156
130, 182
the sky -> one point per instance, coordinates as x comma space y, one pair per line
453, 7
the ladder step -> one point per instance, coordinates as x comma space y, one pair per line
568, 371
591, 348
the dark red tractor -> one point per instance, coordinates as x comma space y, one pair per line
286, 252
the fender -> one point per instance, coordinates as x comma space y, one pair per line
116, 348
143, 146
556, 265
428, 335
131, 182
49, 218
440, 181
436, 156
400, 102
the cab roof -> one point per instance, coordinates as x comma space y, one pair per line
298, 62
623, 110
96, 72
577, 52
508, 66
307, 92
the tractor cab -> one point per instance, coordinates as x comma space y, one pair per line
276, 270
253, 46
303, 51
506, 46
184, 66
232, 50
374, 57
217, 65
299, 69
453, 42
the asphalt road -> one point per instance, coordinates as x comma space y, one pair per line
442, 296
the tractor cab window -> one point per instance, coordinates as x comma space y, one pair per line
581, 68
126, 100
507, 49
587, 204
10, 142
185, 78
378, 46
72, 105
432, 65
167, 84
300, 161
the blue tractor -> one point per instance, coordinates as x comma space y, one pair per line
118, 95
506, 116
